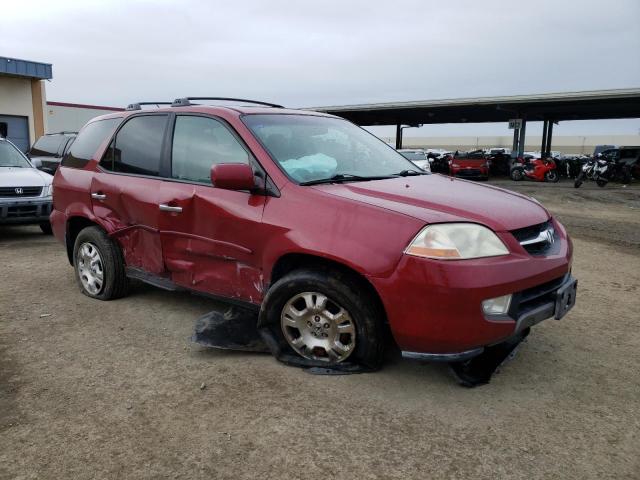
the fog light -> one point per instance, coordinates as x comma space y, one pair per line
497, 306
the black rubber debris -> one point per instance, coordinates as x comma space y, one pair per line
479, 370
235, 329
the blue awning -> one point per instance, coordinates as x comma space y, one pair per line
25, 68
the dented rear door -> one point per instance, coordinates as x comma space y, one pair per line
125, 190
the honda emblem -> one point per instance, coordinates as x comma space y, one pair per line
19, 191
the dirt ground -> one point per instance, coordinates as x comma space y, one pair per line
116, 390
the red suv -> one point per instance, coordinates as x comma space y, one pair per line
335, 236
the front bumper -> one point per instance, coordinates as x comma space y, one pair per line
435, 307
25, 210
470, 172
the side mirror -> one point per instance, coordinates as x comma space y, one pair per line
37, 163
233, 176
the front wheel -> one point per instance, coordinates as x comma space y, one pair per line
579, 180
99, 266
326, 317
517, 174
601, 183
551, 176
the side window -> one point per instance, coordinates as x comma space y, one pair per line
89, 139
199, 143
137, 147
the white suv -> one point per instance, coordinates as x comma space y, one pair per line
418, 157
25, 192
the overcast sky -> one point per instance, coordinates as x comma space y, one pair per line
328, 52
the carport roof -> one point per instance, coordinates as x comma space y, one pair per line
25, 68
586, 105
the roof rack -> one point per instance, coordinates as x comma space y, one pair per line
186, 101
63, 132
138, 105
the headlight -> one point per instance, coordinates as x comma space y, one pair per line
456, 241
47, 191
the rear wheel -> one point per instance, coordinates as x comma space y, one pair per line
99, 266
517, 174
46, 228
325, 316
551, 176
601, 183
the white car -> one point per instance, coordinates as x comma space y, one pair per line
418, 157
25, 192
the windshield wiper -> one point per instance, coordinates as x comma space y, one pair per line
345, 177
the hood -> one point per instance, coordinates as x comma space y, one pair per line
436, 199
23, 177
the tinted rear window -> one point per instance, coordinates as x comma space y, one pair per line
629, 152
88, 141
48, 145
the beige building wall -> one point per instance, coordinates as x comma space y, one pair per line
17, 98
564, 144
71, 117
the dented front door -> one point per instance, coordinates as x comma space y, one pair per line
211, 239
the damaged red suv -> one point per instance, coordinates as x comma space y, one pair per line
332, 234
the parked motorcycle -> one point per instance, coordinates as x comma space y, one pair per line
536, 169
599, 170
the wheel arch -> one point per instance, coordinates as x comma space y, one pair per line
295, 261
74, 226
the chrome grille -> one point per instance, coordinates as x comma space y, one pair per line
537, 239
20, 191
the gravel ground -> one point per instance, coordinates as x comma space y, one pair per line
115, 390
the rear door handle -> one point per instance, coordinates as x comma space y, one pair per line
98, 196
169, 208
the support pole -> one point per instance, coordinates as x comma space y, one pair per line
543, 147
516, 134
523, 130
549, 135
398, 136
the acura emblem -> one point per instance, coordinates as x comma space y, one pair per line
549, 236
19, 191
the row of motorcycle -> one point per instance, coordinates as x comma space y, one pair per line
620, 165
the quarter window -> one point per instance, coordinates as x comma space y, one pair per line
199, 143
137, 147
88, 141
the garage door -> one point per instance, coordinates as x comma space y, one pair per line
16, 129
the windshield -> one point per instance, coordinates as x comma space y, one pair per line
314, 148
10, 156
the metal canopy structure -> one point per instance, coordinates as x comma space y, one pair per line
548, 107
25, 68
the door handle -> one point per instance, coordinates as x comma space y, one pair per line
98, 196
169, 208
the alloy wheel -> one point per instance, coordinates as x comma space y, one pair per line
90, 268
318, 328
